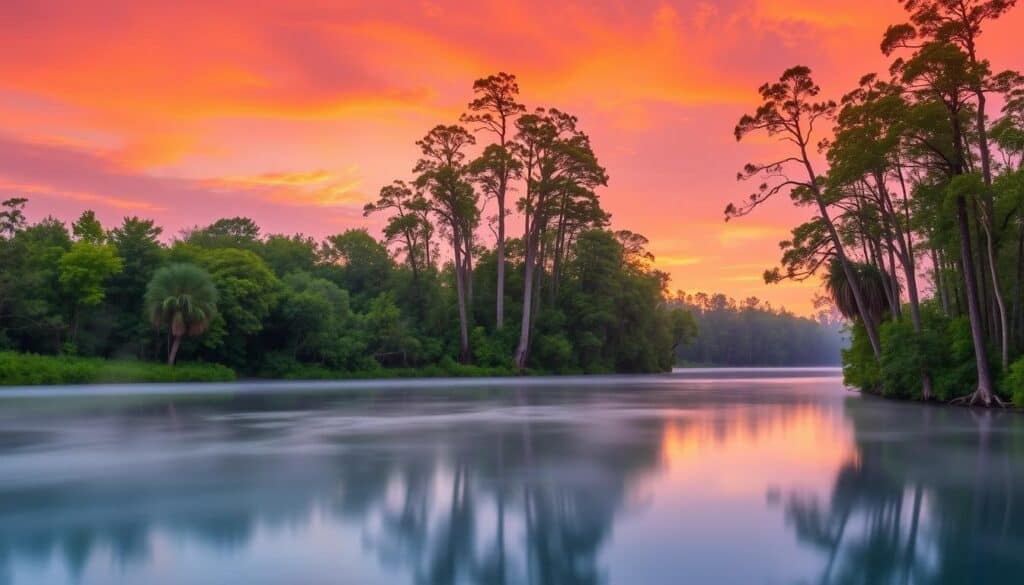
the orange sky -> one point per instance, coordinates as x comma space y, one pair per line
296, 113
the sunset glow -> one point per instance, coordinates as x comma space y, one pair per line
296, 113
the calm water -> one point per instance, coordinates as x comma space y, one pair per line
703, 477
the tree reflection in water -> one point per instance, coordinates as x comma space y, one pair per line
436, 486
928, 498
521, 495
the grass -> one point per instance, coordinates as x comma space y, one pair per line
20, 369
447, 368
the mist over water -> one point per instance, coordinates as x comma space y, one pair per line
739, 476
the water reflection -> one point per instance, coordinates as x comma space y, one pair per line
703, 480
929, 499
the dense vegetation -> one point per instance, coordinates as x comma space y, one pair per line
27, 369
753, 333
569, 295
922, 178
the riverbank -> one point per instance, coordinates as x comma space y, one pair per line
707, 377
67, 371
19, 369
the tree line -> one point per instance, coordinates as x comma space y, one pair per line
922, 179
583, 298
752, 333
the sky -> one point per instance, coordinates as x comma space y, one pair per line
296, 113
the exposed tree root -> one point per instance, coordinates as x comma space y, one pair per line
978, 398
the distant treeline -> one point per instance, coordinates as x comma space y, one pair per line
752, 333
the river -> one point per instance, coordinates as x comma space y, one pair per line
700, 476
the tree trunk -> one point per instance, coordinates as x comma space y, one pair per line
988, 324
858, 296
1000, 306
172, 355
984, 392
905, 253
499, 305
460, 297
940, 283
529, 267
1017, 282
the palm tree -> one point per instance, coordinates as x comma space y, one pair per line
183, 299
870, 282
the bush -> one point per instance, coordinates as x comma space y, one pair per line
19, 369
1013, 384
860, 369
943, 347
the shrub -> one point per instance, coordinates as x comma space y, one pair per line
860, 369
943, 347
19, 369
1013, 384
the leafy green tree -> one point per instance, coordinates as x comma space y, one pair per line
181, 299
88, 229
234, 232
869, 281
31, 300
943, 35
137, 244
409, 225
940, 74
247, 293
442, 172
390, 337
286, 254
788, 112
558, 164
82, 272
12, 216
315, 317
357, 263
494, 110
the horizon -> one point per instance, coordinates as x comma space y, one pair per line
296, 116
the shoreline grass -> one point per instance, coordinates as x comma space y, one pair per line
22, 369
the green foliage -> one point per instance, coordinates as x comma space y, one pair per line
18, 369
247, 292
358, 263
235, 232
88, 229
613, 316
32, 307
1013, 384
587, 299
287, 254
860, 368
870, 281
137, 243
84, 268
12, 216
181, 299
943, 348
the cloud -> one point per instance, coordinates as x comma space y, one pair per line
67, 176
668, 261
296, 112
